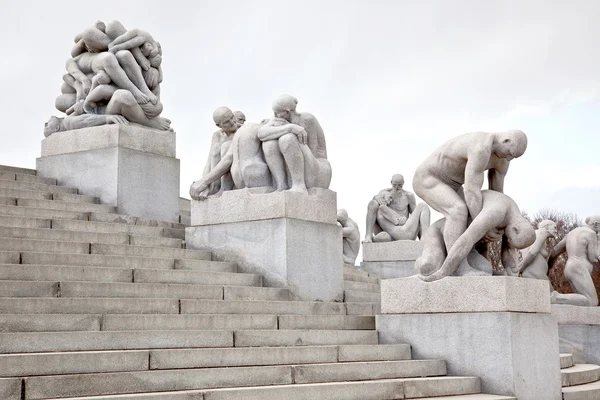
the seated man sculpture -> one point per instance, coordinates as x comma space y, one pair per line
581, 245
499, 217
350, 237
295, 152
393, 214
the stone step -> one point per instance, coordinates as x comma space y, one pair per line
10, 388
25, 177
330, 322
195, 277
32, 272
360, 278
17, 170
566, 360
588, 391
156, 241
355, 271
24, 222
42, 213
49, 322
95, 260
254, 293
307, 337
189, 306
145, 251
77, 305
75, 198
34, 342
580, 374
68, 236
362, 286
407, 388
105, 227
14, 184
131, 220
25, 194
28, 289
19, 244
44, 387
360, 308
66, 205
199, 265
139, 290
10, 257
146, 322
360, 296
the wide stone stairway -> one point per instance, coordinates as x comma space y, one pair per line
99, 305
579, 381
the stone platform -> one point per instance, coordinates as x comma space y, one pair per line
579, 332
292, 239
500, 328
391, 259
130, 167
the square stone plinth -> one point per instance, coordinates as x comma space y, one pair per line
399, 250
292, 239
129, 167
457, 294
579, 332
497, 328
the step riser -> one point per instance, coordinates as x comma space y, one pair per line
200, 265
260, 307
365, 287
16, 170
326, 322
20, 185
40, 213
162, 252
303, 338
188, 322
66, 206
100, 227
20, 222
140, 290
131, 220
360, 278
88, 306
24, 272
94, 260
49, 323
358, 296
7, 244
183, 277
253, 293
65, 236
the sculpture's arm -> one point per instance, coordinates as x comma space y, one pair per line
321, 151
592, 249
474, 176
141, 59
496, 180
270, 132
220, 169
130, 39
74, 70
412, 202
559, 248
87, 120
532, 252
391, 215
347, 231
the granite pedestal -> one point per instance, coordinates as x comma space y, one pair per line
292, 239
130, 167
579, 332
497, 328
391, 259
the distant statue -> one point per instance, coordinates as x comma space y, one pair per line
450, 179
239, 117
106, 60
581, 245
535, 258
393, 214
498, 219
350, 237
295, 151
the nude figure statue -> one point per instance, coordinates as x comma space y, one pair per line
499, 217
244, 160
535, 258
219, 145
459, 164
581, 245
350, 237
239, 117
393, 214
297, 148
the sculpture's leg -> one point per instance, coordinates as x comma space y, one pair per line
371, 218
134, 73
578, 275
108, 62
276, 164
123, 103
424, 218
434, 250
294, 160
226, 180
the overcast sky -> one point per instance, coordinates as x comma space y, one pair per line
389, 81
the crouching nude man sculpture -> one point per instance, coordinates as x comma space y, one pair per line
350, 237
499, 217
393, 214
581, 245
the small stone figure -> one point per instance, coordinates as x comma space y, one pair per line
350, 237
535, 259
393, 214
581, 245
239, 117
460, 163
295, 152
499, 218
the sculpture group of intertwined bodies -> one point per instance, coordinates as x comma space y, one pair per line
113, 77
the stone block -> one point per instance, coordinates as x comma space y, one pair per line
399, 250
10, 389
579, 332
132, 168
389, 269
576, 315
464, 294
245, 205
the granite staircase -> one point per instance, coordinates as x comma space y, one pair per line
97, 305
579, 381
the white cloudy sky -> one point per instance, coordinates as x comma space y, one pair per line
388, 80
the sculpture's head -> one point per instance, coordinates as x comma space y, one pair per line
239, 117
520, 234
342, 215
511, 144
593, 222
284, 106
52, 126
548, 226
397, 182
225, 120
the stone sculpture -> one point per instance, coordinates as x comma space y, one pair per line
393, 214
350, 237
581, 245
239, 117
535, 258
112, 72
499, 218
450, 179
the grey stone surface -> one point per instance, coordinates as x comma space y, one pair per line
382, 352
10, 388
464, 294
350, 237
262, 307
580, 374
145, 322
575, 315
48, 322
138, 183
304, 256
309, 337
389, 269
398, 250
497, 346
74, 305
243, 205
583, 341
131, 137
326, 322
